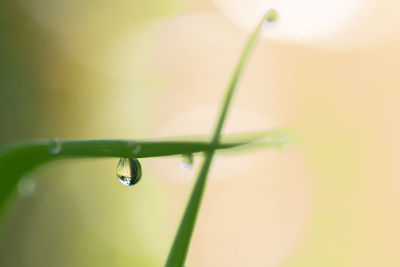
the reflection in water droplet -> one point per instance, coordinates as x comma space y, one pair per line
272, 15
26, 186
187, 161
136, 148
129, 171
55, 146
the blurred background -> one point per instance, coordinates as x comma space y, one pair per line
141, 69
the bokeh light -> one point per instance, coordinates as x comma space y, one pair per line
144, 69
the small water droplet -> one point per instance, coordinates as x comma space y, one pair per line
272, 15
55, 146
26, 186
129, 171
187, 161
136, 148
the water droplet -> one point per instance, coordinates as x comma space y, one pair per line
272, 15
129, 171
187, 161
136, 148
26, 186
55, 146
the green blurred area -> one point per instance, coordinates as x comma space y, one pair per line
50, 87
48, 62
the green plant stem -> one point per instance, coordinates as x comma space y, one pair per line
180, 246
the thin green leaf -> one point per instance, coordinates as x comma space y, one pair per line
16, 160
180, 246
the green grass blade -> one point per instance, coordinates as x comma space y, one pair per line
16, 160
180, 246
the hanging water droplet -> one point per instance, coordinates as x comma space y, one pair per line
26, 186
129, 171
55, 146
136, 148
187, 161
271, 16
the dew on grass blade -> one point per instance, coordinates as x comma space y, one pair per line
272, 15
187, 161
55, 147
129, 171
136, 148
26, 186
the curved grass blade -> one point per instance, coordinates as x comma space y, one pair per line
16, 160
180, 246
277, 139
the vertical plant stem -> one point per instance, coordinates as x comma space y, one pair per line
180, 246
